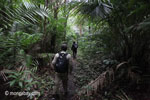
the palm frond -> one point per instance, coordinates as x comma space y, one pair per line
94, 9
27, 13
142, 26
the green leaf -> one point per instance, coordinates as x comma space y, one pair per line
20, 84
12, 76
29, 81
12, 83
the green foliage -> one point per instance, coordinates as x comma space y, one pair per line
27, 13
27, 17
25, 39
12, 44
112, 31
124, 33
94, 10
21, 81
46, 83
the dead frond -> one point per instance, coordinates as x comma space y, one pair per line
105, 80
99, 83
121, 65
3, 74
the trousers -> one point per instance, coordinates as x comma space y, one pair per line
61, 78
74, 53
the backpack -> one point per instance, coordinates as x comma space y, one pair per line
62, 62
75, 46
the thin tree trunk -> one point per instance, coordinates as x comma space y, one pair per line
44, 30
66, 17
80, 28
53, 38
89, 29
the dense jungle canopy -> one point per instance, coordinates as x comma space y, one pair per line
113, 59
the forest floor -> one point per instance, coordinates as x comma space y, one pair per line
81, 75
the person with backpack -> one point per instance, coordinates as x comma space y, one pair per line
74, 49
62, 65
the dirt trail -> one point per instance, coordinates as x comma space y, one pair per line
71, 86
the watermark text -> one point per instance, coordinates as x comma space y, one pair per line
28, 94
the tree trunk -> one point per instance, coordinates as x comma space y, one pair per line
80, 28
53, 38
44, 31
66, 18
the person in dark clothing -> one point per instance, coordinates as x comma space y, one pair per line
74, 49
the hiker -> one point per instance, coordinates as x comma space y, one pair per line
62, 65
74, 49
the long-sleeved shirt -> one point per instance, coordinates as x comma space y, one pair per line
68, 57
